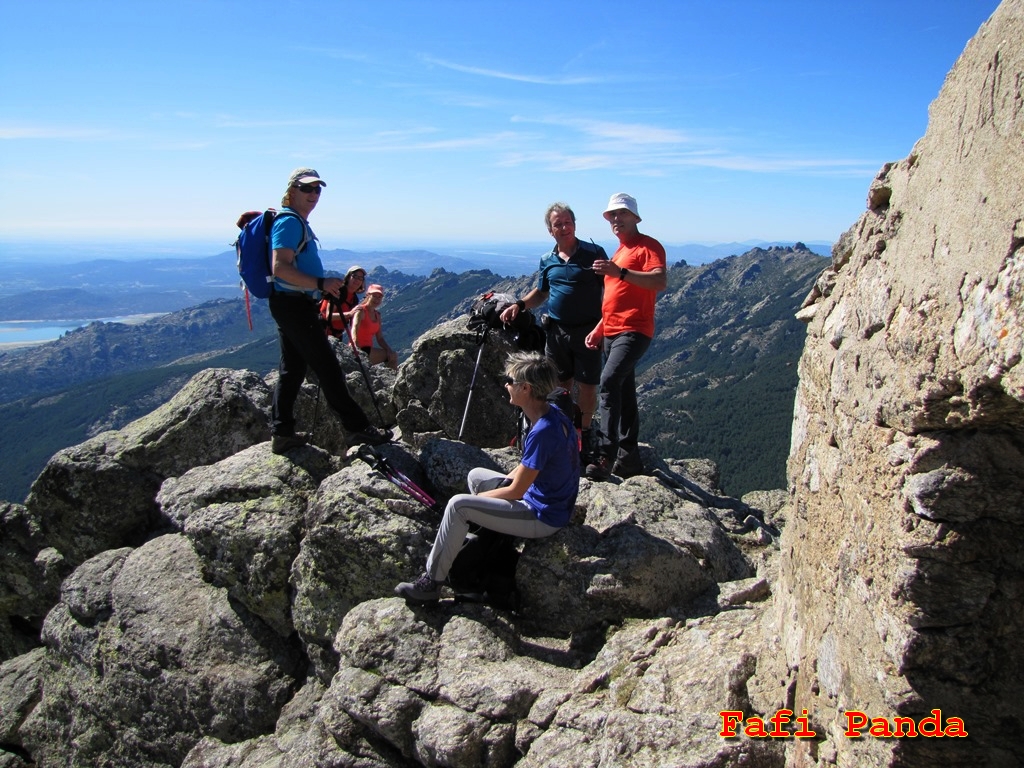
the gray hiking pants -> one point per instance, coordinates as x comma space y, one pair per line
512, 517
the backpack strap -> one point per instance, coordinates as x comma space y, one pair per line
306, 238
305, 230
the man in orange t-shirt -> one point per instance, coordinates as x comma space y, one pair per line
632, 279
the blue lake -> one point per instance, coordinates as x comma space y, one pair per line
19, 332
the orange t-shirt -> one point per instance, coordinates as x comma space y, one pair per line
628, 307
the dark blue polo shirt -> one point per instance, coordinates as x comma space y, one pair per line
574, 291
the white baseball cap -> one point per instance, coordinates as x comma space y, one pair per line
304, 176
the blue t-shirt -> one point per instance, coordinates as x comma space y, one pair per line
287, 233
553, 448
574, 291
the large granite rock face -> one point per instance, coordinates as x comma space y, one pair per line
247, 617
100, 495
902, 563
144, 658
455, 387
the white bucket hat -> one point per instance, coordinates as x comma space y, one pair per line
620, 201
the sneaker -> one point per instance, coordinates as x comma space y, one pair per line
626, 469
370, 436
284, 443
599, 469
423, 590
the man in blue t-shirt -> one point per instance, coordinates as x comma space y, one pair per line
298, 282
573, 292
534, 500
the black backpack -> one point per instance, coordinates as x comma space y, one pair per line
485, 570
486, 315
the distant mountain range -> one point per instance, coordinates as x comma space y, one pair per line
40, 289
718, 381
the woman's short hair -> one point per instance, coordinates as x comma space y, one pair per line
534, 369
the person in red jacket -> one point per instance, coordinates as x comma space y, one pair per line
632, 279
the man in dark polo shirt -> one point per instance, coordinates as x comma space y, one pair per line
573, 292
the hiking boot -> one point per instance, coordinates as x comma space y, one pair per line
370, 436
423, 590
626, 469
588, 452
599, 469
283, 443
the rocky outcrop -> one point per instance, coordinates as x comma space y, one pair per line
143, 658
232, 606
208, 603
455, 387
101, 494
901, 561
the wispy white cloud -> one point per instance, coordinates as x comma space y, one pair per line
233, 122
334, 53
60, 133
651, 149
665, 163
183, 146
630, 133
559, 162
515, 76
769, 164
401, 141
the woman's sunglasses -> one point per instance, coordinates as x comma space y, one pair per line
307, 188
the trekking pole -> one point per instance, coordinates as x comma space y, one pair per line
366, 376
472, 383
379, 464
316, 411
409, 486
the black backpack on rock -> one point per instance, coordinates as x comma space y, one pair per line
486, 315
485, 570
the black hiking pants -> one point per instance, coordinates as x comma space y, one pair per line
304, 345
620, 416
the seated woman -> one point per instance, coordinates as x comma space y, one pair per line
337, 313
534, 500
366, 326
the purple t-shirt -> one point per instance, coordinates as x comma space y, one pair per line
552, 447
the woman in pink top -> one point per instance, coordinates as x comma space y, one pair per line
366, 326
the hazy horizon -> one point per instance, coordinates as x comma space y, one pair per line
72, 251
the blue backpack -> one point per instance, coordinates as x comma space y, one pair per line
254, 253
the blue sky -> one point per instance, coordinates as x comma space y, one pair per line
459, 121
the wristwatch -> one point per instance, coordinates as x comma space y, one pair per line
319, 283
622, 273
521, 304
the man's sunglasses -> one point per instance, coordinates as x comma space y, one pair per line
307, 188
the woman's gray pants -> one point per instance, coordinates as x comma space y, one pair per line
512, 517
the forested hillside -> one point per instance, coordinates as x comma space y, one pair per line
719, 379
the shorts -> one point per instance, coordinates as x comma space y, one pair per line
566, 348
